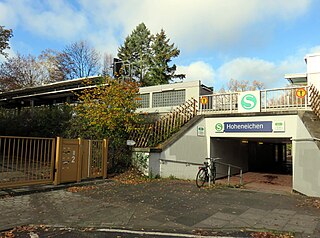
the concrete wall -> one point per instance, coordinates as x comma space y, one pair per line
313, 70
190, 148
306, 163
231, 152
306, 168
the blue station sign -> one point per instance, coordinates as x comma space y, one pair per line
256, 126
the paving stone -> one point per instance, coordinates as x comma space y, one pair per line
211, 223
284, 211
253, 213
224, 216
161, 205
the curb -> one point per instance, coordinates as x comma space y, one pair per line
29, 189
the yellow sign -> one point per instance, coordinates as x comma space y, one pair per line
301, 93
204, 100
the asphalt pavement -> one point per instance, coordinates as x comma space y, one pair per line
163, 206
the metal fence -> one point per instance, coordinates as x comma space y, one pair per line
278, 99
96, 157
283, 98
26, 160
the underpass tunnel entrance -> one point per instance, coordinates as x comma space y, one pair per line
270, 156
263, 155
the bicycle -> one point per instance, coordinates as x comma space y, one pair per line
207, 172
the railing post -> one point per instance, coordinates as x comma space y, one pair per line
229, 172
306, 99
230, 101
265, 99
200, 106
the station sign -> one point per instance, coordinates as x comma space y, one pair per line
255, 126
278, 126
249, 101
201, 131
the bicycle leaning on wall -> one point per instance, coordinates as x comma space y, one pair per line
207, 172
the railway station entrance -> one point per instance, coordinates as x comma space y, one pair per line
266, 162
267, 155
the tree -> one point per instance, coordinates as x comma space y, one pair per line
136, 52
48, 60
163, 52
5, 35
78, 60
108, 111
107, 65
109, 108
146, 57
235, 86
21, 71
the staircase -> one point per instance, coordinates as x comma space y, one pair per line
152, 134
311, 119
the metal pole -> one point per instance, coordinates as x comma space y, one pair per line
241, 181
229, 172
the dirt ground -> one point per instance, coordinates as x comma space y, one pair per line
262, 182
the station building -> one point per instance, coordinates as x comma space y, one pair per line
270, 131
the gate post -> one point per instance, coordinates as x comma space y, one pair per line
57, 176
80, 153
105, 158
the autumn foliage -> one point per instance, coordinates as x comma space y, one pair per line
109, 108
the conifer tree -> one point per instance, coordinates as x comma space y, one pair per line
135, 53
146, 57
160, 71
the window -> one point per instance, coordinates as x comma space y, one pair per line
144, 100
168, 98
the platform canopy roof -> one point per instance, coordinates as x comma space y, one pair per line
297, 79
53, 93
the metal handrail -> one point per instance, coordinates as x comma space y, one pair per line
229, 171
307, 139
270, 100
218, 162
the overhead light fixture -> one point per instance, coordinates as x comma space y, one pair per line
260, 143
244, 142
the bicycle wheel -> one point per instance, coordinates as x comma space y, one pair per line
214, 174
201, 178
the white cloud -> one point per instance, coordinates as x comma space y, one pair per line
200, 25
10, 53
191, 24
54, 19
7, 15
250, 69
197, 71
314, 49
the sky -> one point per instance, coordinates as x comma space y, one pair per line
218, 40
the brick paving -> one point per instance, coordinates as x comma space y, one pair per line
264, 182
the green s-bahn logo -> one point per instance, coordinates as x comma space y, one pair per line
248, 101
219, 127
